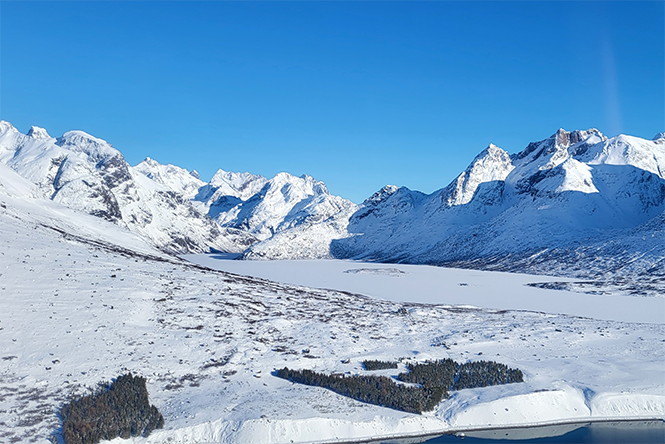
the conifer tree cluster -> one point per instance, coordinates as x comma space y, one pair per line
434, 379
120, 409
377, 390
378, 365
450, 375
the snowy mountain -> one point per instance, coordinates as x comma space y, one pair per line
570, 204
577, 203
87, 174
293, 216
178, 180
171, 206
284, 202
83, 300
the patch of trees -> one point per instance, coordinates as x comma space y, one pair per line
378, 365
377, 390
451, 375
120, 409
433, 378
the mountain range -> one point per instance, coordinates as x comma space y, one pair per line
575, 204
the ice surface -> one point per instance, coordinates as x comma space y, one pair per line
438, 285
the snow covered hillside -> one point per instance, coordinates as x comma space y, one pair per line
170, 206
87, 174
293, 216
83, 300
576, 204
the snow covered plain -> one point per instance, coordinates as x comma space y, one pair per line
454, 286
82, 301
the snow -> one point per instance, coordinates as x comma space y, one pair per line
576, 204
83, 300
87, 174
38, 133
240, 185
577, 178
492, 164
284, 202
451, 286
173, 177
79, 305
170, 205
563, 403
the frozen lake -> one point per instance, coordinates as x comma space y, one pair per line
437, 285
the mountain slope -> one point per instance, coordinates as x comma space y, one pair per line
87, 174
567, 198
287, 216
169, 205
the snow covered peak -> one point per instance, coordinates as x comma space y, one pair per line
82, 142
175, 178
289, 188
240, 185
381, 195
492, 164
643, 154
38, 133
7, 127
281, 203
149, 162
305, 184
659, 138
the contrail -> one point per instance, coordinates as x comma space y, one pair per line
611, 87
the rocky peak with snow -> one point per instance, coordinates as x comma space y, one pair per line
170, 206
491, 165
562, 193
381, 195
176, 179
572, 189
226, 189
36, 132
87, 174
282, 199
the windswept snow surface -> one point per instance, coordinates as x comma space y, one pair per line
76, 310
438, 285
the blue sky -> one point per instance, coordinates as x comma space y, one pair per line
357, 94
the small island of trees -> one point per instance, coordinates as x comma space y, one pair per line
120, 409
433, 378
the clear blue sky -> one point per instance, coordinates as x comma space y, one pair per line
357, 94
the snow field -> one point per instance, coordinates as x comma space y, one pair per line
455, 286
78, 305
